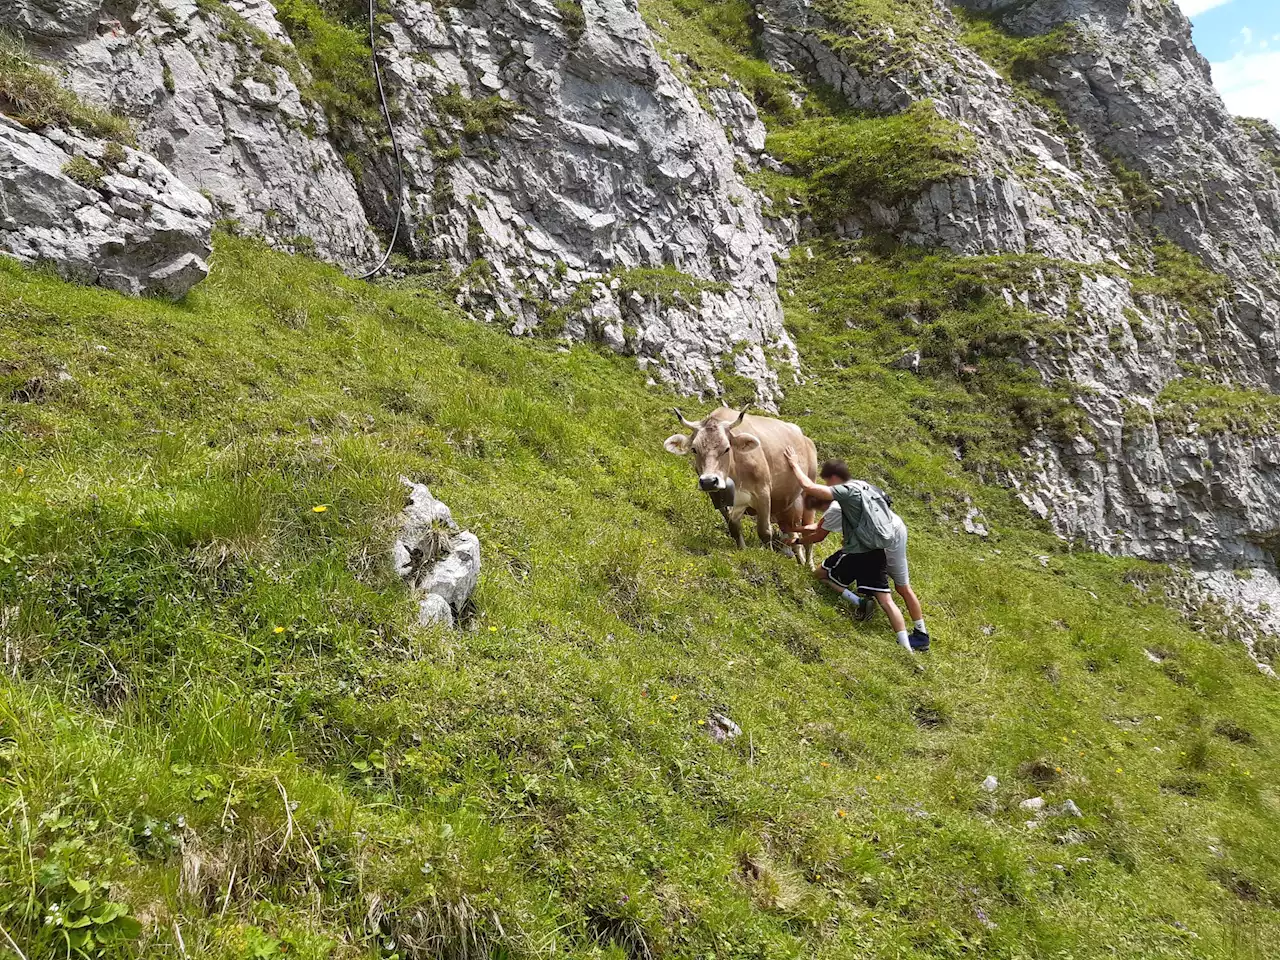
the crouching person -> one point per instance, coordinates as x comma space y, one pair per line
875, 549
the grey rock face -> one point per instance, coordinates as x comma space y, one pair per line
1134, 88
557, 158
139, 230
435, 559
209, 105
1025, 192
53, 19
569, 159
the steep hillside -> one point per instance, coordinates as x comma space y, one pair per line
630, 172
1013, 260
222, 734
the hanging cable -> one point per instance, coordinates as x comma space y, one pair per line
395, 144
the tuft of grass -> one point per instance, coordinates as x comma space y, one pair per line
336, 54
488, 117
84, 172
328, 41
1020, 60
842, 163
573, 17
1183, 277
1264, 135
252, 42
667, 285
718, 39
32, 95
1217, 408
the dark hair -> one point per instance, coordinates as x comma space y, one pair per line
835, 468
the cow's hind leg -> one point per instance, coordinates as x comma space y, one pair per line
807, 516
764, 521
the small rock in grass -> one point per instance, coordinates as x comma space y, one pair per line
1032, 804
1071, 809
991, 784
720, 728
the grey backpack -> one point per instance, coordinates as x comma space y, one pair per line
868, 516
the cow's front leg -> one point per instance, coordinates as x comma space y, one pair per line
733, 520
764, 520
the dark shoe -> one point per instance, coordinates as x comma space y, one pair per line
919, 641
865, 610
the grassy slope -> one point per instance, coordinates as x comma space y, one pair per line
540, 783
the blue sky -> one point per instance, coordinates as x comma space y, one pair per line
1241, 38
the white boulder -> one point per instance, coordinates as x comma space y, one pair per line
100, 212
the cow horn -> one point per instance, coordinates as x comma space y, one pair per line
741, 416
680, 417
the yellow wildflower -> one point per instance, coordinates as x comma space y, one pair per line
279, 630
320, 508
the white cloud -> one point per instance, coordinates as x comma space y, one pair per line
1195, 7
1248, 83
1246, 36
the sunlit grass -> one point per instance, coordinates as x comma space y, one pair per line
192, 649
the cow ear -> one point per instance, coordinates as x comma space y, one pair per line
745, 442
678, 444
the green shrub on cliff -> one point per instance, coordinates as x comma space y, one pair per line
845, 162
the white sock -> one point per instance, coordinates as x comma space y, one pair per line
851, 597
902, 639
920, 626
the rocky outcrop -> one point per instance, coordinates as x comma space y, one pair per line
553, 160
1140, 104
1028, 187
1136, 87
552, 148
438, 562
100, 212
213, 91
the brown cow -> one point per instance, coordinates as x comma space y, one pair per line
739, 459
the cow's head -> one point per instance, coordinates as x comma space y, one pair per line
713, 443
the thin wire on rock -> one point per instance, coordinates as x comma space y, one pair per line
395, 144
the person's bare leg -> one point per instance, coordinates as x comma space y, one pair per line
912, 601
892, 612
821, 574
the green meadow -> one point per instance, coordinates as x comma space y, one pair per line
223, 735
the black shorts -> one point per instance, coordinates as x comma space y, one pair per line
870, 570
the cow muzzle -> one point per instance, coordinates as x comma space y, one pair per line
709, 483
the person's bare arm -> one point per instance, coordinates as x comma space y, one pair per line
812, 535
815, 490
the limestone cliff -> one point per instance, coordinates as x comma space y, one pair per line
1124, 105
